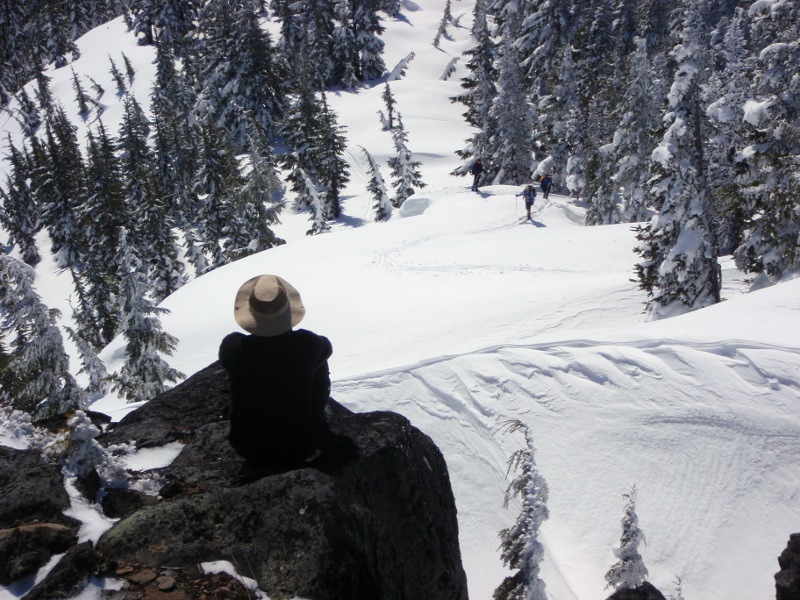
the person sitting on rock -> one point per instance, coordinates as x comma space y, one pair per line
280, 381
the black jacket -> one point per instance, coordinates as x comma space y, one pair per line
279, 388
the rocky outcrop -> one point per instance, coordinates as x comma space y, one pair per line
646, 591
787, 580
370, 516
373, 516
39, 496
33, 526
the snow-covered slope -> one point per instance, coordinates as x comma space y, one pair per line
460, 316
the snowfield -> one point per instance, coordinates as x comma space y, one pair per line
459, 315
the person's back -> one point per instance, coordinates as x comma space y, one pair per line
280, 382
280, 386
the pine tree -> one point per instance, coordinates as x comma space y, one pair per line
634, 139
62, 190
218, 183
390, 102
729, 88
242, 76
367, 28
101, 219
151, 226
122, 87
520, 547
19, 213
92, 366
81, 97
345, 52
301, 129
603, 192
145, 373
629, 571
447, 18
27, 114
41, 384
772, 244
333, 169
679, 270
480, 89
377, 187
510, 150
405, 170
316, 203
175, 139
257, 206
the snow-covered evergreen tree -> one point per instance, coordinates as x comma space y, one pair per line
242, 78
92, 366
62, 190
345, 51
604, 205
367, 29
390, 102
679, 270
316, 202
634, 139
447, 18
772, 243
629, 571
101, 218
19, 214
510, 148
334, 172
41, 383
520, 547
257, 206
480, 89
175, 138
218, 183
727, 173
376, 186
150, 223
405, 171
145, 373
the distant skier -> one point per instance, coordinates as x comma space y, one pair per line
475, 170
547, 183
529, 195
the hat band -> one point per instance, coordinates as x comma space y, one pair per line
268, 307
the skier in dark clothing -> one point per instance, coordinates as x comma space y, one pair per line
547, 183
280, 382
475, 170
529, 195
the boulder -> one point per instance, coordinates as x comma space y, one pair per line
33, 490
646, 591
371, 516
787, 580
27, 548
69, 576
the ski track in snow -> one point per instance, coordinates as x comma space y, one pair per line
593, 398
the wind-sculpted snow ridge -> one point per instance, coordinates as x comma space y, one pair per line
712, 429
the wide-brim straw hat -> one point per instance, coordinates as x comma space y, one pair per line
268, 305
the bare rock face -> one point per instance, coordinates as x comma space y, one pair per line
787, 580
372, 516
